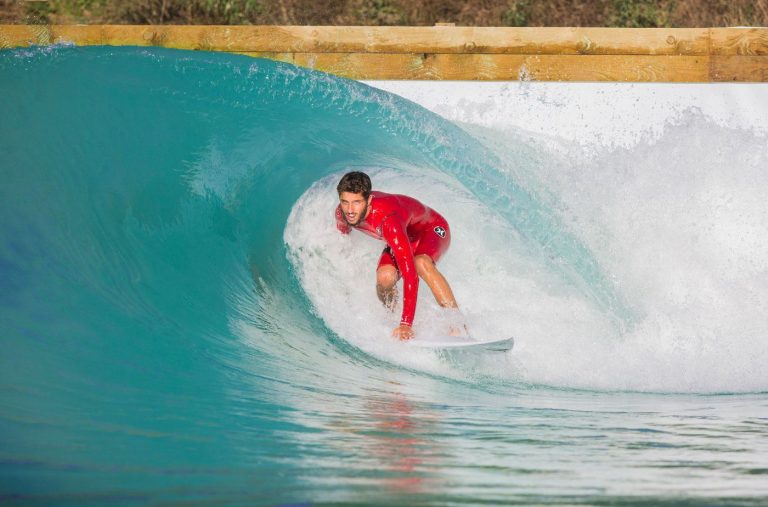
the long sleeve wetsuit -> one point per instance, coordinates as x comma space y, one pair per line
410, 229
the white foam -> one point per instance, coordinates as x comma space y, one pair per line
667, 188
669, 195
681, 225
591, 115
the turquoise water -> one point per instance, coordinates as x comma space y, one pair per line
181, 324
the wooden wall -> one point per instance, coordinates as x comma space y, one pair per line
457, 53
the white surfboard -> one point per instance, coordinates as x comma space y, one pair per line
461, 343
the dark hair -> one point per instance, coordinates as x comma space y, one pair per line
356, 183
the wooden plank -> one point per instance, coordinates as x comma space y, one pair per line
342, 39
739, 69
375, 66
12, 36
739, 41
466, 53
617, 68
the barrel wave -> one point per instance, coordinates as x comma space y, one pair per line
182, 324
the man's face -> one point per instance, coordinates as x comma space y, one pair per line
354, 207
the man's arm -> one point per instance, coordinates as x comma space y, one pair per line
394, 234
341, 224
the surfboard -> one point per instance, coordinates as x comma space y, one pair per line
461, 343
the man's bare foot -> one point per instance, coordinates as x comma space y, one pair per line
387, 296
458, 330
456, 324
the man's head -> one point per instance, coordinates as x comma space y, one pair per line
354, 190
355, 182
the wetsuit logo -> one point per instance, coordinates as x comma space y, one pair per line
440, 231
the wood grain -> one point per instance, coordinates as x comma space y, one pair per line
447, 52
743, 42
334, 39
744, 69
618, 68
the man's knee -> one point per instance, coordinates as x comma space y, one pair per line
424, 265
386, 277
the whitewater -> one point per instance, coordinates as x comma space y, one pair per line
181, 322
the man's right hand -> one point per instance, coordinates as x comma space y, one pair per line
403, 332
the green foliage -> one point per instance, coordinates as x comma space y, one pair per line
638, 14
380, 12
38, 12
617, 13
49, 11
517, 14
217, 12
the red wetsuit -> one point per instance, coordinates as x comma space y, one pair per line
410, 229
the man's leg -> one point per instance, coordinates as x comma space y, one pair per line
428, 272
386, 278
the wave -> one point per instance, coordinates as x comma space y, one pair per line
166, 212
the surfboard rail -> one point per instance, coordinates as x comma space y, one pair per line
458, 344
453, 53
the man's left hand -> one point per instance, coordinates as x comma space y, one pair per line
403, 332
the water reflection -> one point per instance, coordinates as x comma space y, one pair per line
397, 439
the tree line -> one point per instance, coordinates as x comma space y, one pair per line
598, 13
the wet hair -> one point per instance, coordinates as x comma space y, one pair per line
356, 183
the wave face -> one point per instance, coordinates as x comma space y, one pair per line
181, 322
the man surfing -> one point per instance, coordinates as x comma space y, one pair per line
416, 236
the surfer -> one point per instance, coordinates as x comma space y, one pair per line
416, 236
